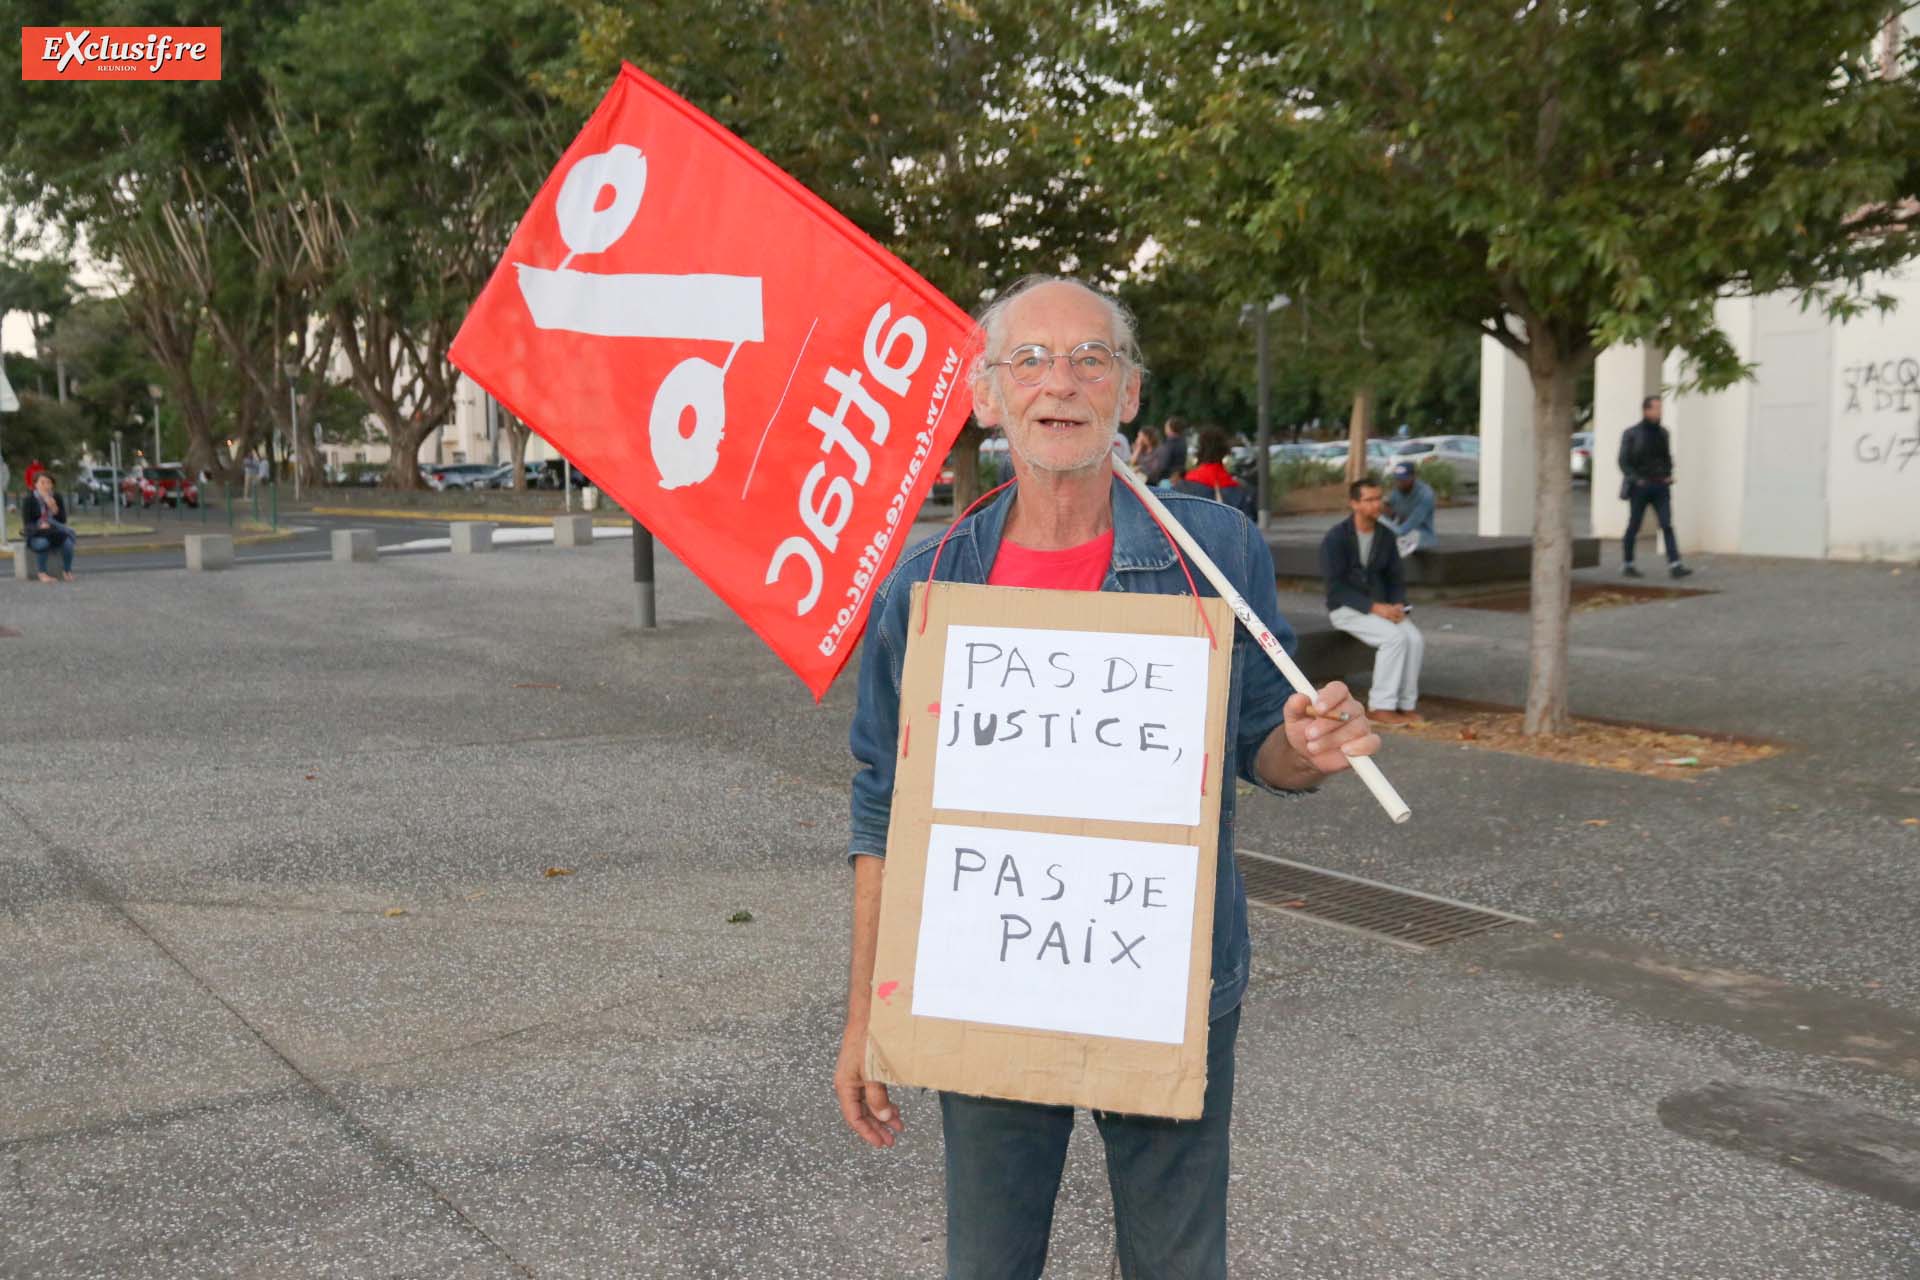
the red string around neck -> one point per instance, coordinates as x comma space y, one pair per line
926, 603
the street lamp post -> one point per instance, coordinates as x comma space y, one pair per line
116, 478
293, 425
1263, 431
154, 389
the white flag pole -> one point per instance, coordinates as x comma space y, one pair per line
1363, 765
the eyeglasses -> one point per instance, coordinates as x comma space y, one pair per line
1090, 362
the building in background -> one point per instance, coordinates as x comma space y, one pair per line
1817, 455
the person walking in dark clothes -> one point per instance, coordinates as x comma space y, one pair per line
1646, 480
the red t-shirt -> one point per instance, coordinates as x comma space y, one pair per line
1081, 568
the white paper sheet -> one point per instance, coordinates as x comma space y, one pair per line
1057, 933
1072, 724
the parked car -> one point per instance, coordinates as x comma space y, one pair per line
457, 475
1462, 453
1583, 455
1240, 457
1379, 454
93, 486
159, 482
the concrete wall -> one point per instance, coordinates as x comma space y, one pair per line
1873, 449
1785, 509
1506, 443
1710, 445
1622, 378
1818, 455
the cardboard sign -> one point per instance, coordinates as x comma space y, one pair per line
1049, 943
1057, 933
760, 384
1042, 721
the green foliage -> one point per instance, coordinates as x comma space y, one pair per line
1558, 177
45, 431
952, 133
1288, 474
1441, 477
1597, 174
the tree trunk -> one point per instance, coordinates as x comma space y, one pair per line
518, 436
1359, 431
1554, 376
965, 461
306, 441
404, 438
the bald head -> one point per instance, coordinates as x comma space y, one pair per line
992, 328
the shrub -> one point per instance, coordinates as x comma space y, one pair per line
1441, 476
1288, 474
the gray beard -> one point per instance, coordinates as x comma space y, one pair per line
1093, 460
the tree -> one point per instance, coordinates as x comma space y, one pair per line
1558, 177
407, 144
43, 289
948, 132
155, 182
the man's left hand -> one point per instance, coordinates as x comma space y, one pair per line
1323, 740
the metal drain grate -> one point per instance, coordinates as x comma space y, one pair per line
1403, 917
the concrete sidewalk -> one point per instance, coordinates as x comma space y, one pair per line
286, 989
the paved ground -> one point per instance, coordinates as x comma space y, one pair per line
222, 1054
300, 536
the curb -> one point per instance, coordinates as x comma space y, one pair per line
126, 548
445, 517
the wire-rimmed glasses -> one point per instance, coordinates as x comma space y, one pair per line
1090, 362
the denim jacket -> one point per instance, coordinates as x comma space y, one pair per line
1144, 560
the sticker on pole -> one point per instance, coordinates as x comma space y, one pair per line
760, 384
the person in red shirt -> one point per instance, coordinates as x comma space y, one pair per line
1211, 479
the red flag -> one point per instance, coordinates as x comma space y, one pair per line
759, 383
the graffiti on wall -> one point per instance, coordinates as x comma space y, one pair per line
1879, 390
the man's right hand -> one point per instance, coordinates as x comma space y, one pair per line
1391, 612
864, 1103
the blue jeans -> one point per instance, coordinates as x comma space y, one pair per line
42, 543
1169, 1180
1658, 495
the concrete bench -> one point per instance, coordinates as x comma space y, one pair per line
22, 561
573, 531
351, 546
472, 537
209, 551
1326, 652
1456, 562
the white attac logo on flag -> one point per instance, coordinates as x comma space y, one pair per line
716, 308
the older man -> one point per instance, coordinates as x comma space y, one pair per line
1059, 372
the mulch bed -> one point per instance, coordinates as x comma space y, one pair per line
1587, 596
1647, 750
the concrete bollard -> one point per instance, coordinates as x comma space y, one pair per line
573, 531
471, 537
351, 545
22, 561
209, 551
